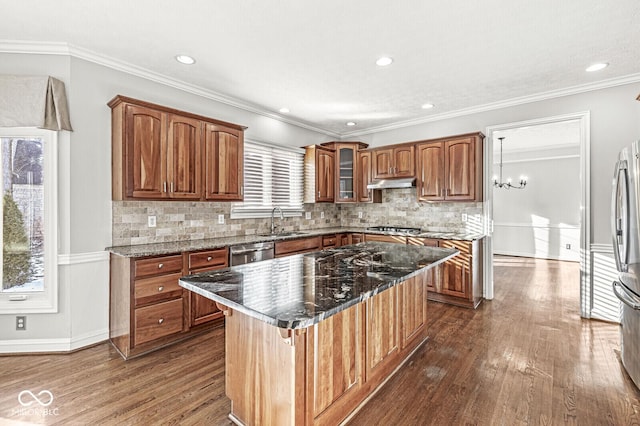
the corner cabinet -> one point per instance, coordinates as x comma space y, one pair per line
159, 153
450, 169
364, 178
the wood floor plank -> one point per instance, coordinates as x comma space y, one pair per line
524, 358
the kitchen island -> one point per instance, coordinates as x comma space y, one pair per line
310, 337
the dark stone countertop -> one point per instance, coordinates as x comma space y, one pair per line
301, 290
141, 250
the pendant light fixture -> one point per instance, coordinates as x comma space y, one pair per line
499, 183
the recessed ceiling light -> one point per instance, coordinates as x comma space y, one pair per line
185, 59
597, 67
384, 61
284, 110
427, 106
351, 123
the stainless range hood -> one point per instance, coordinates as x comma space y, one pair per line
392, 183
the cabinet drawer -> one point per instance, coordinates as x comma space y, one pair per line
157, 266
158, 288
159, 320
329, 241
418, 241
302, 245
398, 239
204, 259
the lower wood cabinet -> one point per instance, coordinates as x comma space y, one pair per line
399, 239
297, 246
202, 309
148, 307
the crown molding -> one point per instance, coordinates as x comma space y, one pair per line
572, 90
60, 48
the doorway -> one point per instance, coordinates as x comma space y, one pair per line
535, 143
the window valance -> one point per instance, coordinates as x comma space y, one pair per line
33, 101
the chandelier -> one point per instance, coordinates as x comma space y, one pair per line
499, 183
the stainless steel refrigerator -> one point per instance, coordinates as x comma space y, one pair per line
625, 226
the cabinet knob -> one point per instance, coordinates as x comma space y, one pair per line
164, 186
318, 194
161, 288
209, 258
160, 265
161, 320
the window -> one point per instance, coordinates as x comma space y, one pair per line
29, 225
273, 176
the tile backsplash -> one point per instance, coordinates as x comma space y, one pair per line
187, 220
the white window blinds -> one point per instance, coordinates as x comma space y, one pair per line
273, 176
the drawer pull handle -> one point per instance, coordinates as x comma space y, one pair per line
161, 320
209, 258
160, 265
161, 288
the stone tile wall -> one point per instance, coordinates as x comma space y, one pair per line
184, 220
400, 207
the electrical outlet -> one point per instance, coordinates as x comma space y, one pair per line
359, 215
568, 246
307, 215
21, 323
151, 221
464, 217
321, 215
221, 219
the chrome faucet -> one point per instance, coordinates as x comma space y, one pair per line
273, 213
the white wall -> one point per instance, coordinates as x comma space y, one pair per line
85, 190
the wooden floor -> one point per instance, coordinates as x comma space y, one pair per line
525, 357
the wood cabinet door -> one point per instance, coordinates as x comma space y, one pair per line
403, 162
184, 144
382, 163
460, 169
325, 175
224, 163
336, 365
145, 147
456, 272
204, 309
363, 177
413, 303
430, 184
382, 331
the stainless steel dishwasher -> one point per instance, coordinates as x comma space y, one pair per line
248, 253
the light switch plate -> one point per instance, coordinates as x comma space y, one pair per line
221, 219
151, 221
307, 215
359, 215
321, 215
464, 217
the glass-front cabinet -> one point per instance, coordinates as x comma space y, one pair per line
346, 171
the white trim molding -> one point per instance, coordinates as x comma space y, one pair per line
76, 258
53, 345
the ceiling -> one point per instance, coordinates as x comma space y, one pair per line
317, 58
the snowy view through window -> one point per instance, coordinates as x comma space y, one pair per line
23, 215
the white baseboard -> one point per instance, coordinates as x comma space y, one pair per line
53, 345
534, 255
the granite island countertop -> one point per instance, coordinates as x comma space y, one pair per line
298, 291
171, 247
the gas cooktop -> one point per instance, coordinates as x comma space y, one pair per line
399, 229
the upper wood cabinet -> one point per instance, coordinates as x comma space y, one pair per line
346, 160
363, 178
157, 153
393, 162
319, 174
450, 169
223, 153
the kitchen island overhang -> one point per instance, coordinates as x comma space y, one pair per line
310, 337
